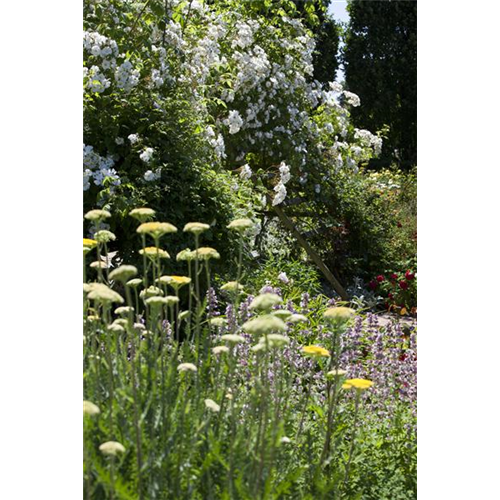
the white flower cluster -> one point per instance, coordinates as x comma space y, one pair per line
126, 76
280, 188
95, 80
133, 138
147, 154
244, 33
246, 172
234, 121
97, 168
351, 98
216, 141
368, 139
173, 35
100, 46
150, 176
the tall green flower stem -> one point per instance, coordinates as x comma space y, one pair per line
135, 398
198, 298
100, 277
144, 261
261, 437
353, 441
190, 300
238, 277
112, 477
87, 465
332, 390
109, 360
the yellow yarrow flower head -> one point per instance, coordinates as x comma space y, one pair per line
283, 314
134, 283
157, 301
212, 405
123, 310
206, 253
156, 229
240, 225
102, 293
97, 215
90, 408
195, 227
298, 318
265, 302
232, 286
339, 314
154, 252
123, 273
175, 282
185, 254
187, 367
274, 340
142, 214
104, 236
98, 264
220, 349
336, 373
316, 351
219, 322
360, 384
232, 338
263, 325
112, 448
88, 243
151, 291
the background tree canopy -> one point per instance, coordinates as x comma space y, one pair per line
380, 59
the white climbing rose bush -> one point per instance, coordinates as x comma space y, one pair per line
227, 84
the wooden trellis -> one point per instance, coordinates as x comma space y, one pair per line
302, 241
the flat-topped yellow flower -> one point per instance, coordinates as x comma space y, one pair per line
316, 351
156, 229
263, 325
112, 448
88, 243
240, 225
90, 408
142, 214
339, 314
123, 273
102, 293
153, 252
97, 215
185, 255
357, 383
206, 253
104, 236
195, 227
175, 282
232, 286
265, 302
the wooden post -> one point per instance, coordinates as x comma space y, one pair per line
287, 222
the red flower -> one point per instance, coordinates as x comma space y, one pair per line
380, 278
372, 284
403, 285
409, 275
394, 276
391, 296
